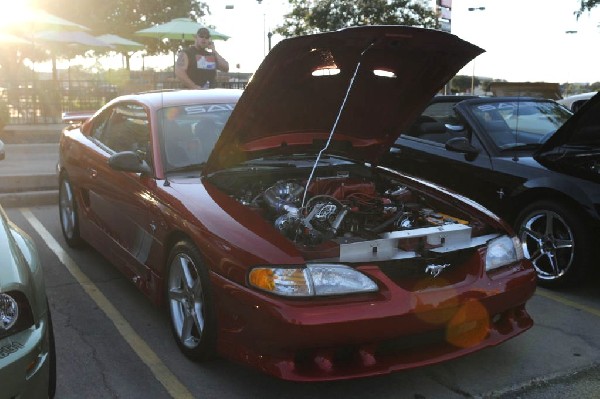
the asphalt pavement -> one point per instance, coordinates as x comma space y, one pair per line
28, 173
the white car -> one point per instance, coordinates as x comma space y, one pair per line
575, 102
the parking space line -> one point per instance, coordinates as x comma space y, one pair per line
550, 295
171, 383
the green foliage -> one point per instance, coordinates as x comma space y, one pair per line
595, 86
587, 5
312, 16
124, 17
462, 83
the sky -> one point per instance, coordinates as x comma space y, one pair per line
525, 40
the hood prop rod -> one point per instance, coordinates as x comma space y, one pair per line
314, 168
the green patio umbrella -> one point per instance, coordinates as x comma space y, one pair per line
179, 29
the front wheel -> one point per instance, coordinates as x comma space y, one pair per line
190, 302
554, 239
67, 207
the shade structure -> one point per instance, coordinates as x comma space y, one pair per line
7, 38
72, 37
35, 20
179, 29
119, 43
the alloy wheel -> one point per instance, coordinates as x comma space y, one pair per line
548, 242
186, 300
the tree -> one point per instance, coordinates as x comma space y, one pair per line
312, 16
462, 83
124, 17
587, 5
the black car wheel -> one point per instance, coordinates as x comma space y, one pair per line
554, 239
67, 207
190, 302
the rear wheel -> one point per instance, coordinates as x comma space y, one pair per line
67, 207
190, 302
554, 239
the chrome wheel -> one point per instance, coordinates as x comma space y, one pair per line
186, 300
549, 242
67, 207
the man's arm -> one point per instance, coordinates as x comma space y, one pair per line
222, 64
181, 71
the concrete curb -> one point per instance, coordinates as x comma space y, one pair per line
26, 187
29, 198
21, 183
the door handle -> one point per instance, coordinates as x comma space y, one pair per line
93, 173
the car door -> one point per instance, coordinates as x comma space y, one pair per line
422, 152
123, 203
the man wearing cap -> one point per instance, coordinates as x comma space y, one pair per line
197, 65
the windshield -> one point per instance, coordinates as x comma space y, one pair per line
520, 124
189, 133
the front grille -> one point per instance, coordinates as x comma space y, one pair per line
411, 273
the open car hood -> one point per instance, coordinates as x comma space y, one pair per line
296, 99
582, 129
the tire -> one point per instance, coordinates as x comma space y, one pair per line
556, 241
190, 302
68, 212
51, 359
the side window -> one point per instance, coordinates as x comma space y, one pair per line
439, 127
100, 126
126, 129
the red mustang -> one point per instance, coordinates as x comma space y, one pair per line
263, 222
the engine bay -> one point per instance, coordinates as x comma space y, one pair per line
352, 218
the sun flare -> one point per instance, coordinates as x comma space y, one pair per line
13, 12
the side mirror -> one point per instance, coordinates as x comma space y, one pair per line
462, 145
128, 161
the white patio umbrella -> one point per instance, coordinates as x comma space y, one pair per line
179, 29
7, 38
35, 20
120, 43
124, 46
68, 38
72, 37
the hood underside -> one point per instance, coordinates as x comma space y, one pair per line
582, 129
364, 84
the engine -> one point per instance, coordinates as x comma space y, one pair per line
342, 210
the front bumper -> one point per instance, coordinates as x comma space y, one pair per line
371, 334
25, 363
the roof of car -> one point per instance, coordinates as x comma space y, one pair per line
161, 98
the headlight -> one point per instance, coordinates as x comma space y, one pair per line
15, 313
9, 312
502, 251
312, 280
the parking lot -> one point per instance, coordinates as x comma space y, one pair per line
112, 342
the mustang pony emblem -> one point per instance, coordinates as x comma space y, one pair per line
435, 270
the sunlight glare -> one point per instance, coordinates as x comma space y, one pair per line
13, 12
